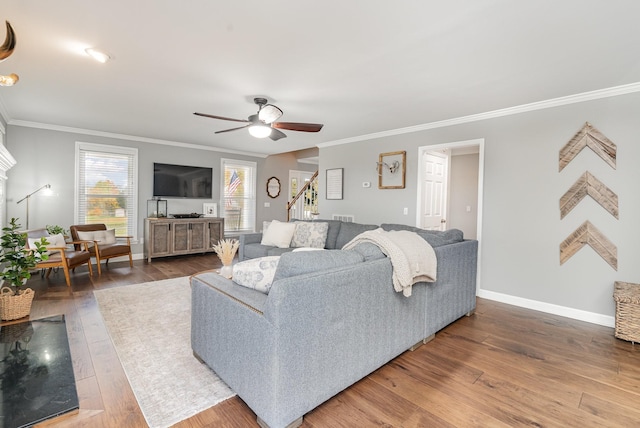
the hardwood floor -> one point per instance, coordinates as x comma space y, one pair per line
503, 366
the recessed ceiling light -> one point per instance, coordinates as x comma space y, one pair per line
9, 80
98, 55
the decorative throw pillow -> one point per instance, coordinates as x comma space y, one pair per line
106, 236
278, 234
102, 236
56, 240
256, 273
86, 236
310, 234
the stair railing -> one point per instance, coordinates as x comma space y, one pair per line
310, 193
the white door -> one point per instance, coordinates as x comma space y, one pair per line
297, 180
434, 190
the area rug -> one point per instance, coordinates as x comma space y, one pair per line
150, 326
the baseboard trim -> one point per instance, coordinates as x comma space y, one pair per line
577, 314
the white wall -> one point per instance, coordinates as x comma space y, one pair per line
521, 229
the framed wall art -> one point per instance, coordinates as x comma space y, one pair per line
334, 183
210, 210
391, 170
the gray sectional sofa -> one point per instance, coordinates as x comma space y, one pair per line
329, 319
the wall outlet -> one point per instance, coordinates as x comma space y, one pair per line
267, 204
405, 211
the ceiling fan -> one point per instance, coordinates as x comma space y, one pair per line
263, 124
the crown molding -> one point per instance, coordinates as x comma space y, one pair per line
28, 124
524, 108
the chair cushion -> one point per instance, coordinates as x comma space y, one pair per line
113, 250
102, 236
75, 258
56, 240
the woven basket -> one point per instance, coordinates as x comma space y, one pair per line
627, 297
16, 306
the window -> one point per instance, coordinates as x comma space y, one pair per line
238, 190
106, 187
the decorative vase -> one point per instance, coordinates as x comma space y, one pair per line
16, 306
226, 271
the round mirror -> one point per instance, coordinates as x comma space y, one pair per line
273, 187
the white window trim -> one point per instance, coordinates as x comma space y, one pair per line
222, 206
107, 149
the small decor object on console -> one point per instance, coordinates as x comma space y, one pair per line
226, 251
156, 208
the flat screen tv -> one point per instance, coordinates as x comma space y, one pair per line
180, 181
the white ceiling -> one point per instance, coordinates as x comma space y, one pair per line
359, 67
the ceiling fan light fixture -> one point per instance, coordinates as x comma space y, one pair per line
260, 131
269, 113
99, 56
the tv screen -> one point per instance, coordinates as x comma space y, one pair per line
179, 181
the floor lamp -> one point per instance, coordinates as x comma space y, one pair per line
26, 198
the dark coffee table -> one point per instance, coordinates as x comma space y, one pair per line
36, 372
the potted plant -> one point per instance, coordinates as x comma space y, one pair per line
55, 229
17, 261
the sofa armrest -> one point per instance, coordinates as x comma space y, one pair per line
248, 238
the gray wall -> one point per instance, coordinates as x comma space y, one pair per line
521, 226
463, 193
277, 166
47, 156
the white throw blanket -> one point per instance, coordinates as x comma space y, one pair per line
412, 258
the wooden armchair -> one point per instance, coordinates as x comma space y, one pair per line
105, 244
60, 256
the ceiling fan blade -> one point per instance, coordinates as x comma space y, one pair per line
232, 129
295, 126
212, 116
276, 134
269, 113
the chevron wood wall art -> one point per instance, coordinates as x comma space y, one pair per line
588, 234
590, 137
588, 185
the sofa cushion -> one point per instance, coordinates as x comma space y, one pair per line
435, 238
278, 234
256, 273
348, 231
253, 251
275, 251
369, 251
302, 262
312, 234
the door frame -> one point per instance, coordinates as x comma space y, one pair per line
479, 142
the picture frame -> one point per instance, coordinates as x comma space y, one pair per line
210, 209
334, 183
392, 170
273, 187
